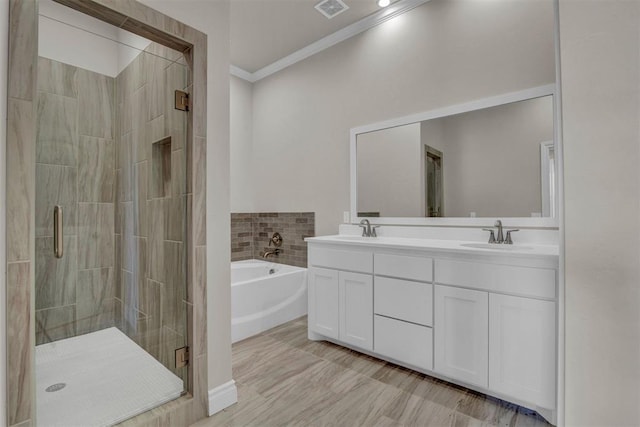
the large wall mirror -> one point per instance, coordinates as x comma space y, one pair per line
490, 158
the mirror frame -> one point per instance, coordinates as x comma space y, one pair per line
479, 104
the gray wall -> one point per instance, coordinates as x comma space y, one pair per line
390, 172
492, 159
439, 54
601, 105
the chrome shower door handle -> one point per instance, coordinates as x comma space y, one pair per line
58, 238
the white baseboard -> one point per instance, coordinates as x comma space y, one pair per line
222, 397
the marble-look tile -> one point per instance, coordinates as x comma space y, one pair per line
157, 262
174, 285
117, 216
55, 324
20, 171
199, 192
135, 258
95, 307
96, 104
175, 120
105, 234
19, 346
95, 235
156, 86
117, 266
178, 173
55, 277
128, 242
125, 186
56, 186
140, 147
140, 197
23, 49
130, 303
57, 121
175, 212
124, 87
199, 92
170, 341
149, 336
139, 101
200, 300
95, 169
156, 130
57, 77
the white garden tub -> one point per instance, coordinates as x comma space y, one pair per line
265, 295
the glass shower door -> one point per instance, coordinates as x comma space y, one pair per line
110, 222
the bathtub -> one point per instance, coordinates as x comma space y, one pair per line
265, 295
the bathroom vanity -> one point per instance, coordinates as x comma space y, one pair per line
478, 315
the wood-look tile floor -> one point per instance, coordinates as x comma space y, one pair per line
284, 379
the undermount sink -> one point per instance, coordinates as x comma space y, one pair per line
497, 246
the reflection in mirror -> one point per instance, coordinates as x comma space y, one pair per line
492, 162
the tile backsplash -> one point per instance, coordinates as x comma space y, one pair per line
250, 234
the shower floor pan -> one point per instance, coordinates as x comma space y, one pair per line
99, 379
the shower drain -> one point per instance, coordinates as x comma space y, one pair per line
55, 387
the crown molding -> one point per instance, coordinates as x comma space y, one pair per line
390, 12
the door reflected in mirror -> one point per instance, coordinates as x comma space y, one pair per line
490, 162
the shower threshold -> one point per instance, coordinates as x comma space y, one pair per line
99, 379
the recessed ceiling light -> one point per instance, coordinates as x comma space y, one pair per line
331, 8
384, 3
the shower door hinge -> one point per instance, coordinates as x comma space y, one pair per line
182, 100
182, 357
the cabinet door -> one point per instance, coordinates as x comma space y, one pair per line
323, 301
461, 334
522, 348
356, 309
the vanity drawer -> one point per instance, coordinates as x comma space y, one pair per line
404, 267
524, 281
404, 342
341, 259
404, 300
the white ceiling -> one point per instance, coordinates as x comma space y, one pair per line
264, 31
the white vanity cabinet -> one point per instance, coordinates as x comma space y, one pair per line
403, 305
484, 320
324, 294
522, 348
341, 302
461, 338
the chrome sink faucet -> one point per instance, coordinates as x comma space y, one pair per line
500, 239
367, 229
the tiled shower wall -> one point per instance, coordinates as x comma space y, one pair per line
151, 200
75, 153
111, 152
250, 234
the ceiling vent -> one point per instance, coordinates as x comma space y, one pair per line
331, 8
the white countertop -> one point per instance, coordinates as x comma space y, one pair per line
457, 246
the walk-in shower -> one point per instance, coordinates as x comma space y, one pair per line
110, 221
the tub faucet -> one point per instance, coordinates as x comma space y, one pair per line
273, 252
